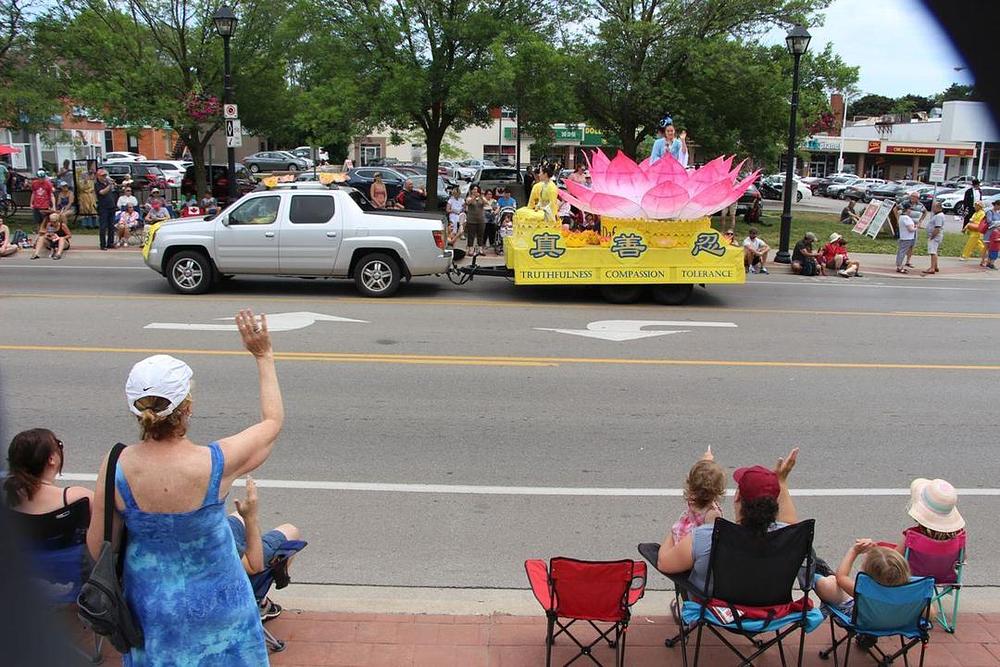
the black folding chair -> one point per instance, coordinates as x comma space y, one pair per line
651, 552
749, 590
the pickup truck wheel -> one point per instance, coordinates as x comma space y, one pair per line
190, 272
377, 275
672, 295
621, 293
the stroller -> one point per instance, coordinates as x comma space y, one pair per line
505, 227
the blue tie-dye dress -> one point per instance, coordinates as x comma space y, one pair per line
184, 582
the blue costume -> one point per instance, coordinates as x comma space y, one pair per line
186, 586
659, 150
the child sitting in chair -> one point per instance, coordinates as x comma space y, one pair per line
886, 566
933, 505
256, 551
705, 485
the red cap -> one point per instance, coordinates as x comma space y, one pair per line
757, 482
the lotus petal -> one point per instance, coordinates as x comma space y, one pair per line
579, 191
614, 206
573, 201
665, 200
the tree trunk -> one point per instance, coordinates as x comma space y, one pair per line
630, 143
434, 138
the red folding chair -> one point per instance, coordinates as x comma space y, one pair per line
591, 591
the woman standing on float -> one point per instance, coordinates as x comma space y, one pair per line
667, 140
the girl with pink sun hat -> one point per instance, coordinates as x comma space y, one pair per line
933, 505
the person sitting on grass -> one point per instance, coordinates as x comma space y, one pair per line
755, 252
849, 216
256, 551
157, 213
54, 236
806, 261
834, 257
209, 204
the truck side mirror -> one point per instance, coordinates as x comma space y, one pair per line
224, 220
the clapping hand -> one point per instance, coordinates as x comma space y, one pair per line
708, 455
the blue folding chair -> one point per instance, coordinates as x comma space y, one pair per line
276, 574
883, 611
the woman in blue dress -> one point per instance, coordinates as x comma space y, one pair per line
182, 576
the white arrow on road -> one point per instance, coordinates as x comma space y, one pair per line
623, 330
275, 322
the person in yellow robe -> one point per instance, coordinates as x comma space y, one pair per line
543, 202
974, 244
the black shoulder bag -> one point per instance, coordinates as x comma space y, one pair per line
101, 605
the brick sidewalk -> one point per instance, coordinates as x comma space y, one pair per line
404, 640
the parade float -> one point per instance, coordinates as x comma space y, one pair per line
654, 230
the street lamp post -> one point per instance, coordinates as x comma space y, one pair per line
225, 25
797, 42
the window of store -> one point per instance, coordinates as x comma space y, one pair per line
370, 152
109, 141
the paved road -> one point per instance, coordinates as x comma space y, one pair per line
457, 389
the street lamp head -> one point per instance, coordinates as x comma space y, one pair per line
225, 21
797, 40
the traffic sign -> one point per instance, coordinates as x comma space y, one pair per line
938, 170
234, 133
230, 111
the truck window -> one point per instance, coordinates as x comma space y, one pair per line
259, 211
311, 209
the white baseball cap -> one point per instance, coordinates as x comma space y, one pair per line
162, 376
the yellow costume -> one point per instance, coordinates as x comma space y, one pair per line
975, 242
545, 199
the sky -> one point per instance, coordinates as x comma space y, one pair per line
897, 43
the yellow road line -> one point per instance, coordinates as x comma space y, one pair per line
475, 360
476, 303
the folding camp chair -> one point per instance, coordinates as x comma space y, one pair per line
943, 560
749, 589
591, 591
275, 573
651, 552
883, 611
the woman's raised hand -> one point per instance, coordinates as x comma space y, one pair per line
785, 464
254, 333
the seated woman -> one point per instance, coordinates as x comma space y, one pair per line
54, 236
50, 517
834, 257
256, 550
762, 504
126, 221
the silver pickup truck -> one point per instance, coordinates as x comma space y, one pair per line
303, 229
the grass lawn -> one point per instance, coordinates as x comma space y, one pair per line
824, 224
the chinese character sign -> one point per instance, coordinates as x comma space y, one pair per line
546, 245
628, 245
708, 242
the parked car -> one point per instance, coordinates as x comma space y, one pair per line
273, 161
307, 152
491, 178
837, 187
412, 169
927, 198
363, 177
143, 175
887, 191
420, 183
300, 229
958, 181
772, 187
953, 202
467, 168
859, 188
122, 156
449, 168
218, 176
173, 170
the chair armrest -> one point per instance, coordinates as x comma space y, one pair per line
538, 577
637, 587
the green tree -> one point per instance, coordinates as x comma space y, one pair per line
426, 64
29, 94
629, 69
159, 63
870, 105
956, 91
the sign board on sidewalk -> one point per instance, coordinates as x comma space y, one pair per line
938, 170
234, 133
866, 217
880, 217
230, 111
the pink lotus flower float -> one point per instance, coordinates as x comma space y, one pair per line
659, 191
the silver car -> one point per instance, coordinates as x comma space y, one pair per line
300, 229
